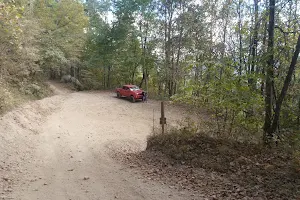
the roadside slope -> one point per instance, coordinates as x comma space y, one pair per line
19, 133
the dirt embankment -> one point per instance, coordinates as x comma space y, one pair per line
218, 169
19, 130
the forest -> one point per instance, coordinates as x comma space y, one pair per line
237, 59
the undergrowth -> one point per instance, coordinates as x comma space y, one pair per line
201, 148
12, 95
275, 170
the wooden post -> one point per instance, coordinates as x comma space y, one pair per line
163, 120
153, 122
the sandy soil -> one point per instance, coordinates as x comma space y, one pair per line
59, 148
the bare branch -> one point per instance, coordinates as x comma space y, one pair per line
286, 32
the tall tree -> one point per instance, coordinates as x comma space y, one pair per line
269, 98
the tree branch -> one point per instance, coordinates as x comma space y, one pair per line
286, 32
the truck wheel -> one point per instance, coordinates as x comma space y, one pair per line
118, 95
132, 99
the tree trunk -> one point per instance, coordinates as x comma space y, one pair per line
168, 44
263, 68
108, 76
224, 38
141, 83
254, 45
166, 48
285, 87
104, 78
177, 60
269, 74
132, 77
298, 118
145, 70
143, 43
240, 38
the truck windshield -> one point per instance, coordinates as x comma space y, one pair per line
134, 88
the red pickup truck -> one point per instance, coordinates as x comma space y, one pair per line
130, 91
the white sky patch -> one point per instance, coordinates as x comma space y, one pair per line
110, 17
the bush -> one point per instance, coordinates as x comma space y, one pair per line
92, 78
236, 109
223, 155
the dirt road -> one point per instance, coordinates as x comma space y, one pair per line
58, 148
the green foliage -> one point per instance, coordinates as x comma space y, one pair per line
62, 34
113, 50
46, 36
18, 53
235, 108
92, 78
210, 55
